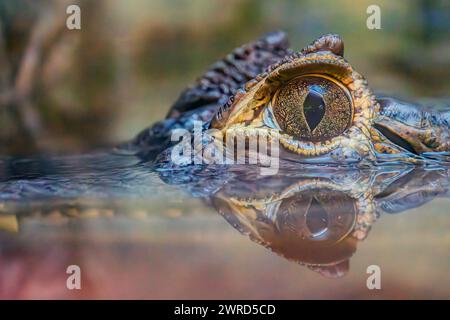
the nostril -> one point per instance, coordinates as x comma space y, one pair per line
395, 138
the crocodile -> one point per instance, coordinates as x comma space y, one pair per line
312, 103
348, 157
339, 143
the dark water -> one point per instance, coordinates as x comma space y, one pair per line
304, 233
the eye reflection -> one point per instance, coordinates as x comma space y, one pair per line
318, 215
317, 219
313, 108
312, 227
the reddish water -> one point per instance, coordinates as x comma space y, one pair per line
190, 252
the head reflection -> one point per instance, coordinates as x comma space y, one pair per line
318, 220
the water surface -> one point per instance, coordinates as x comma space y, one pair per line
235, 234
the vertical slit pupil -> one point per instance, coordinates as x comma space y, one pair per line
317, 217
313, 108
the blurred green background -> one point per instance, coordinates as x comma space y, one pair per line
65, 91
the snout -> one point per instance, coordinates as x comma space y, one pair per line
412, 128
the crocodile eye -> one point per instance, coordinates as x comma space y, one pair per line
313, 108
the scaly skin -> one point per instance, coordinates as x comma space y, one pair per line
235, 97
238, 94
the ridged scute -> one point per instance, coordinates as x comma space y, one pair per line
226, 76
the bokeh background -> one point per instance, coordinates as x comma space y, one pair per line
64, 91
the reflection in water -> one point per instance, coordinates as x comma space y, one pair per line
317, 219
314, 216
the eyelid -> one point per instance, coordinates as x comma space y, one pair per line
333, 80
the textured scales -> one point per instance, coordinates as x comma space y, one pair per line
235, 92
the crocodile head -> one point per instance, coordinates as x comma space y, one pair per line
320, 109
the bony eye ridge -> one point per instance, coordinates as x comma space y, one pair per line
313, 108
